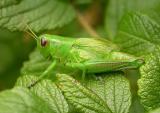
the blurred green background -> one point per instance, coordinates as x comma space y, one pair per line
14, 49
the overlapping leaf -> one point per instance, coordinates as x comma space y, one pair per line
149, 85
35, 65
5, 3
138, 34
117, 8
20, 100
81, 97
105, 96
155, 111
114, 89
46, 90
40, 15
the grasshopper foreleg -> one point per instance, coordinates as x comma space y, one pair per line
45, 73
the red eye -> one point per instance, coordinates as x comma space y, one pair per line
43, 42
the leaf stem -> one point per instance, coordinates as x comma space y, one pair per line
83, 22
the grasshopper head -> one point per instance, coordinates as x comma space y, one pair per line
43, 44
54, 46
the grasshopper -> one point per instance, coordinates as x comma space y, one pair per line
88, 55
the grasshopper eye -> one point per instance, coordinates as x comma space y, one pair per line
43, 42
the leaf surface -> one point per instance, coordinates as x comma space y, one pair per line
138, 34
155, 111
80, 97
35, 65
149, 85
40, 15
48, 91
117, 8
103, 96
114, 89
20, 100
5, 3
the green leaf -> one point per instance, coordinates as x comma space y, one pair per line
5, 3
149, 85
114, 89
138, 34
155, 111
117, 8
154, 13
83, 1
48, 91
82, 98
108, 95
40, 15
20, 100
35, 65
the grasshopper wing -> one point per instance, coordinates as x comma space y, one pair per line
99, 46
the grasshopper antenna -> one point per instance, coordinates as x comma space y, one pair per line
31, 32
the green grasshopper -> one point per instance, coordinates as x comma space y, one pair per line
86, 54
